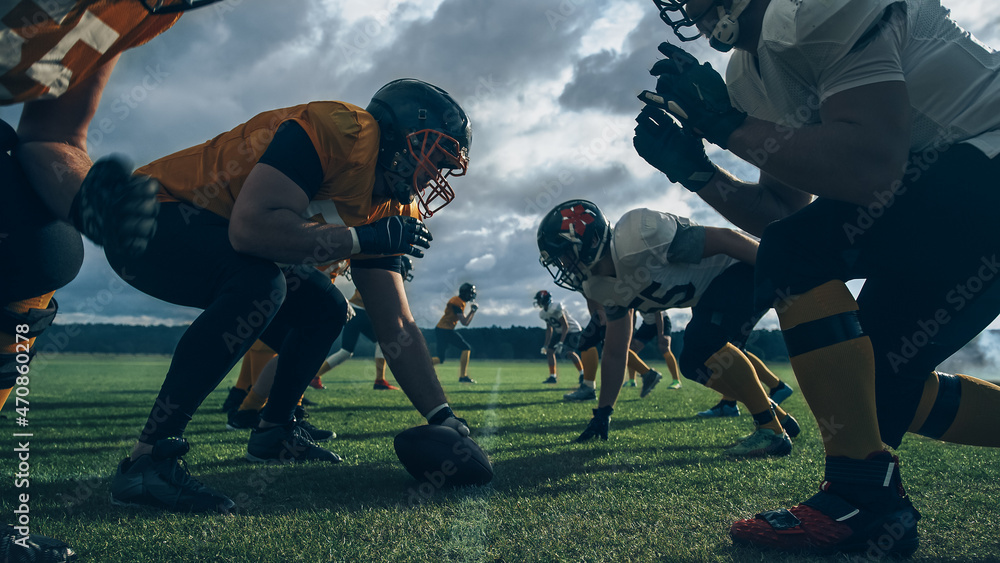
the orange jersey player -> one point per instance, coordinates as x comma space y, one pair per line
245, 218
445, 334
55, 58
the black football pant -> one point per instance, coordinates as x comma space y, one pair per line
445, 338
725, 314
360, 324
294, 310
929, 254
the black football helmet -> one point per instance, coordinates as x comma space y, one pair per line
157, 7
543, 299
467, 292
423, 132
571, 239
406, 268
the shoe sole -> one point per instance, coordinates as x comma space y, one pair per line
279, 461
900, 548
783, 450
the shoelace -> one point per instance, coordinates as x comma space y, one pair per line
181, 476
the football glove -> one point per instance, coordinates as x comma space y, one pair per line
445, 417
116, 209
558, 348
394, 235
695, 94
598, 425
545, 350
672, 150
473, 307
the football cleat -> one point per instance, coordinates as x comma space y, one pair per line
720, 410
466, 379
791, 426
317, 383
583, 393
551, 379
316, 434
242, 419
649, 381
33, 548
628, 383
781, 392
288, 443
763, 442
383, 385
675, 384
161, 479
234, 399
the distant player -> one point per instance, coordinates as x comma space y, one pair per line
655, 326
556, 318
446, 335
652, 261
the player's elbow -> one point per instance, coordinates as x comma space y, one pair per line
242, 236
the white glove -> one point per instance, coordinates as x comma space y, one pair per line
558, 348
350, 312
545, 351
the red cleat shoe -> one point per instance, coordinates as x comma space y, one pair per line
383, 385
829, 523
317, 383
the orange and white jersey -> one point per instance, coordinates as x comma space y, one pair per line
48, 46
346, 138
450, 318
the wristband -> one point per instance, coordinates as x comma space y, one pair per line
439, 414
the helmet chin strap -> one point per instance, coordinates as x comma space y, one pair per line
727, 30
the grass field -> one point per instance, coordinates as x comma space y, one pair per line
659, 490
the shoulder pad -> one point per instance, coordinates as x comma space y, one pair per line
641, 232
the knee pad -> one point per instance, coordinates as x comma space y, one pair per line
823, 332
27, 326
692, 364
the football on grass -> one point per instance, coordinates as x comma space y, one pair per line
440, 456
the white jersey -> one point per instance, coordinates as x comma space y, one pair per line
811, 50
658, 264
553, 317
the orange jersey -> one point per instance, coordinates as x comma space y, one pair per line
48, 47
346, 139
450, 319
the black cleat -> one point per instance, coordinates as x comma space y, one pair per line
286, 444
162, 480
32, 548
234, 399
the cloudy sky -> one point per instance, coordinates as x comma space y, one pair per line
550, 87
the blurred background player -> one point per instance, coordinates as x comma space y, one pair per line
556, 318
686, 265
57, 58
446, 335
361, 324
778, 391
655, 326
592, 337
322, 181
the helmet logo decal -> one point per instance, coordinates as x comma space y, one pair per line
575, 219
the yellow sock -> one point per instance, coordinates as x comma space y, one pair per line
733, 368
4, 393
978, 403
463, 363
765, 375
576, 362
837, 380
379, 369
671, 364
591, 361
246, 368
634, 362
435, 360
253, 401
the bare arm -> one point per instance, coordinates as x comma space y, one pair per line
401, 340
752, 206
616, 342
662, 339
548, 335
564, 327
52, 137
267, 222
731, 243
857, 150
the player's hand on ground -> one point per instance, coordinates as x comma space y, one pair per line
116, 209
394, 235
695, 94
458, 424
598, 426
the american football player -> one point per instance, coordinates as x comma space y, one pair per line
244, 220
655, 326
446, 335
57, 57
652, 261
360, 324
556, 318
888, 112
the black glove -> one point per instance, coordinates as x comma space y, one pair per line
474, 307
671, 150
445, 417
695, 94
598, 425
394, 235
116, 209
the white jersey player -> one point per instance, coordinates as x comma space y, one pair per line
557, 319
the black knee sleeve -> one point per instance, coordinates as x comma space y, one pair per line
942, 415
821, 333
693, 360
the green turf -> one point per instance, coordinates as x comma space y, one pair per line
659, 490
